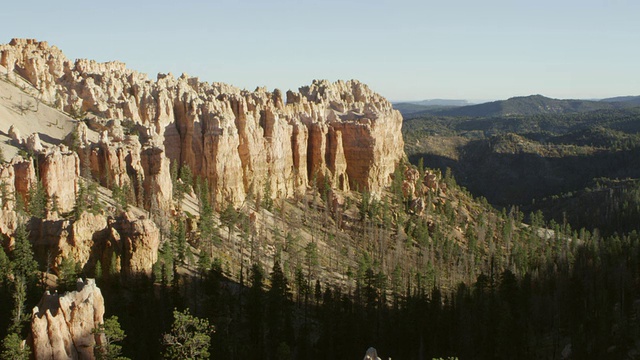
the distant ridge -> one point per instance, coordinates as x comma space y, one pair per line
407, 108
442, 102
530, 105
625, 99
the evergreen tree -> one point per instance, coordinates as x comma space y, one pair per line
67, 275
37, 200
204, 263
22, 261
189, 338
13, 349
113, 334
5, 265
81, 200
19, 315
179, 237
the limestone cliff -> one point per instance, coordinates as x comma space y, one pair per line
240, 141
61, 324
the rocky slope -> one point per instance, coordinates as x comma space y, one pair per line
242, 142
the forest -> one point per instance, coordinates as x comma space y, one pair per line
499, 238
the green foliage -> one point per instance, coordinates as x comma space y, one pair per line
5, 194
267, 200
163, 268
204, 263
12, 348
208, 232
5, 264
67, 275
311, 257
129, 127
55, 204
37, 200
74, 139
189, 338
179, 239
22, 259
178, 188
19, 315
186, 176
396, 183
87, 199
120, 195
113, 334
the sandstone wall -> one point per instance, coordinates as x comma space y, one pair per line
241, 141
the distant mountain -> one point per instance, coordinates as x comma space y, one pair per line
529, 105
624, 99
442, 102
410, 109
431, 106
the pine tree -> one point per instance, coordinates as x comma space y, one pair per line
18, 314
81, 200
113, 334
22, 261
204, 263
5, 265
5, 195
189, 338
37, 200
67, 275
12, 348
179, 237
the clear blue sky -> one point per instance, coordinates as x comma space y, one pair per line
405, 50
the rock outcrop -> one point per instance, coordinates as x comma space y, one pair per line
371, 354
16, 178
133, 241
421, 191
139, 240
59, 171
61, 324
242, 142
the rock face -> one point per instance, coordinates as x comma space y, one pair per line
61, 324
139, 242
16, 177
59, 174
92, 238
242, 142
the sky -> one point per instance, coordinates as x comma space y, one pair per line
404, 50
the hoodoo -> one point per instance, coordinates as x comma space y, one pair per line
242, 142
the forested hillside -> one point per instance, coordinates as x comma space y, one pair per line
531, 160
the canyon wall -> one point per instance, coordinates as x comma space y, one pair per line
241, 141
